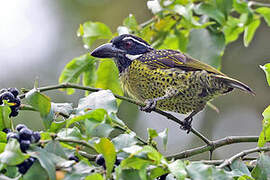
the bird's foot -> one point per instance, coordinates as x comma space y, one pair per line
186, 124
150, 105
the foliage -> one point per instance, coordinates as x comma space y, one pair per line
202, 29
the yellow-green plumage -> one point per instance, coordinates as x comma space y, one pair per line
192, 89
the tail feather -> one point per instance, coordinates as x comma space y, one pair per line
235, 84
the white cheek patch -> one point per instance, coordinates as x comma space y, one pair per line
133, 57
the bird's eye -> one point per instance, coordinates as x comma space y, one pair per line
128, 44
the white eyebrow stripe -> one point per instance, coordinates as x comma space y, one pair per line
135, 40
133, 57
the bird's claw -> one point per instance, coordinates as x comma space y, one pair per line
186, 124
150, 105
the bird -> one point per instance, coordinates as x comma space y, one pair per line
166, 79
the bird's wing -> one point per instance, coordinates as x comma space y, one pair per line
166, 59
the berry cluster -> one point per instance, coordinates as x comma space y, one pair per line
25, 137
11, 95
101, 161
73, 157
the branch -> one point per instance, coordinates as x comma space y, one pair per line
259, 4
81, 142
229, 161
215, 144
76, 86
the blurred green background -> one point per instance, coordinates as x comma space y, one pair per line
37, 39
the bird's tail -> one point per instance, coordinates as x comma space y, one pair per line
235, 83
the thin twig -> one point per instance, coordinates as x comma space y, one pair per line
215, 144
26, 107
90, 157
81, 142
168, 115
229, 161
259, 4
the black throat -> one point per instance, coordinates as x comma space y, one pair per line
122, 63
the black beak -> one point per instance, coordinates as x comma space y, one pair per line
105, 51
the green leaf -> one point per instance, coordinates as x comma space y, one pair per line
152, 154
265, 134
212, 49
152, 133
182, 40
36, 172
240, 6
266, 69
55, 148
103, 99
225, 6
89, 77
75, 68
5, 121
134, 163
2, 147
177, 168
106, 148
46, 160
265, 12
156, 172
123, 141
91, 31
164, 136
199, 171
12, 154
70, 133
64, 108
131, 23
42, 103
170, 42
97, 129
79, 171
129, 174
250, 31
232, 29
107, 77
261, 170
211, 11
94, 176
97, 115
240, 166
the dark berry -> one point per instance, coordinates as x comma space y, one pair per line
72, 157
7, 96
35, 137
13, 135
14, 91
25, 134
163, 177
6, 130
22, 168
100, 160
25, 165
20, 126
24, 145
16, 101
13, 113
118, 161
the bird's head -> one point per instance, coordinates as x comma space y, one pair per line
124, 48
